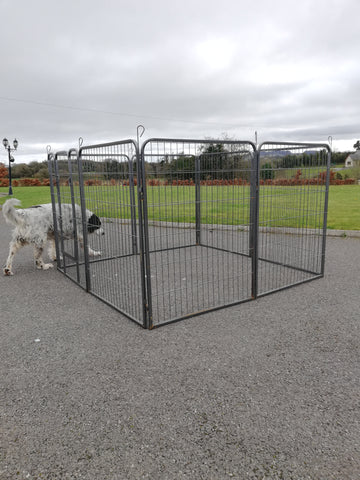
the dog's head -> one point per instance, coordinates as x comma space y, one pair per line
94, 225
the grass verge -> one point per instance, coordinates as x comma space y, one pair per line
220, 204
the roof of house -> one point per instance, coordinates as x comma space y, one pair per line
354, 156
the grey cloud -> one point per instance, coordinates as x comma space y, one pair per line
284, 68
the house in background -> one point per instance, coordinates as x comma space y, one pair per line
353, 160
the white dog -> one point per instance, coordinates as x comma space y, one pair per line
35, 225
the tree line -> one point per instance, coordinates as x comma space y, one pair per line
214, 158
29, 170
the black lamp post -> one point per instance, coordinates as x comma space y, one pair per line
11, 158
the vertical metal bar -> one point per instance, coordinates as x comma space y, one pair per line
325, 211
252, 197
132, 205
75, 232
59, 215
144, 240
254, 222
197, 200
84, 221
51, 159
141, 241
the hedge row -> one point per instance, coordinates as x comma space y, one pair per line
155, 182
25, 182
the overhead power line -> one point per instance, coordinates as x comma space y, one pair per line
121, 114
332, 131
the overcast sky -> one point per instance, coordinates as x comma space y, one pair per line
289, 70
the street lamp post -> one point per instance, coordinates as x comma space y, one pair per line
11, 158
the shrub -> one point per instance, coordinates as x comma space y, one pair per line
3, 171
267, 172
92, 182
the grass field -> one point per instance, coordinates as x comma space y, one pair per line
344, 207
28, 195
225, 204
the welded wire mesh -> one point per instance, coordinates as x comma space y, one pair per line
198, 209
292, 209
110, 180
67, 196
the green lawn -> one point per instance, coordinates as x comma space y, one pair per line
230, 205
344, 207
28, 195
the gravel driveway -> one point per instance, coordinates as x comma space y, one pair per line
264, 390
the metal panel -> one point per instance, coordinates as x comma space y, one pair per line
66, 199
294, 179
197, 225
109, 181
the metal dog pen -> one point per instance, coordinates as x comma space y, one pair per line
192, 225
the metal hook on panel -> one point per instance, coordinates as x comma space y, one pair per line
48, 149
81, 141
139, 135
330, 140
256, 138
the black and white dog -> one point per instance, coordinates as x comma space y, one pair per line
35, 225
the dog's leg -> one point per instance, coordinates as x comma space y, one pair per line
38, 251
15, 245
52, 250
92, 253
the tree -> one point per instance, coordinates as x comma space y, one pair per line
214, 161
357, 145
21, 170
182, 167
267, 172
42, 173
111, 168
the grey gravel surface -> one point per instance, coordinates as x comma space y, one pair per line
264, 390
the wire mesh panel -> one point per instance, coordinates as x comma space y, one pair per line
292, 213
68, 225
109, 182
197, 209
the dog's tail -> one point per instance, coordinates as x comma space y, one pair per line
10, 213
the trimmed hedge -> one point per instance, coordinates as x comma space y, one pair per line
156, 182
